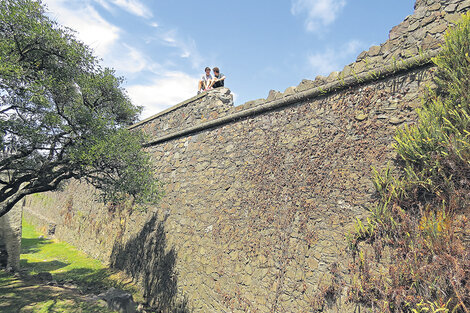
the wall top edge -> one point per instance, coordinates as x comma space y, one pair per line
170, 109
421, 61
411, 44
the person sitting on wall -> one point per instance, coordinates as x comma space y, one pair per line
218, 80
206, 81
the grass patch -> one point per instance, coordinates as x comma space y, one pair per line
76, 274
23, 296
63, 261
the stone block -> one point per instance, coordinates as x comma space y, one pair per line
290, 91
374, 50
333, 76
119, 300
362, 56
434, 7
463, 5
273, 95
413, 26
451, 8
359, 67
453, 18
319, 80
10, 239
305, 85
347, 71
439, 28
253, 103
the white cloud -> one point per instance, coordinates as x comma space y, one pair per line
185, 54
164, 92
101, 36
168, 88
130, 60
187, 47
189, 51
104, 4
134, 7
91, 28
169, 37
131, 6
323, 63
319, 12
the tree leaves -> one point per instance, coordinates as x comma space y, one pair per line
61, 114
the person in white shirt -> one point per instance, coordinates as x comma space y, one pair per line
205, 81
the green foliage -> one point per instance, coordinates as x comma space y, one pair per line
62, 115
430, 307
424, 202
441, 140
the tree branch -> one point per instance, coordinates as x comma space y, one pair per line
35, 187
10, 159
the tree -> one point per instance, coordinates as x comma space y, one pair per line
62, 115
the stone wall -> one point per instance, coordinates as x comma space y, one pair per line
259, 198
10, 239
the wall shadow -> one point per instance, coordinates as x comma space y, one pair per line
33, 245
18, 295
147, 259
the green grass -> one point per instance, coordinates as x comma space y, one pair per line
18, 295
67, 266
62, 260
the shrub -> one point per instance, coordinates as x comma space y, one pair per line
420, 220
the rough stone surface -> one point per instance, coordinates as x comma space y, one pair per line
290, 91
273, 95
207, 106
256, 210
119, 300
10, 239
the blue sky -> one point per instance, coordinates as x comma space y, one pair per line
161, 47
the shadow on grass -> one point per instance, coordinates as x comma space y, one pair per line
89, 280
38, 267
147, 259
21, 296
33, 245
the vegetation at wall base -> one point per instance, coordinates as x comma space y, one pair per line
413, 252
62, 115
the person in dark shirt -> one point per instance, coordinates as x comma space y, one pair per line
219, 78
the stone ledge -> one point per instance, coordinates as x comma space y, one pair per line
173, 108
420, 61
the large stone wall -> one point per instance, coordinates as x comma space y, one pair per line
259, 198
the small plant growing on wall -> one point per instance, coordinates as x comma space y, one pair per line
413, 253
